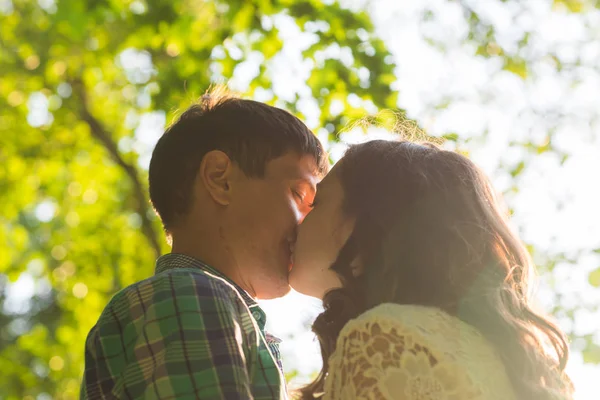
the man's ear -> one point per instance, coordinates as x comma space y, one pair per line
215, 175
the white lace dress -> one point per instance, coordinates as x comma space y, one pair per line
414, 353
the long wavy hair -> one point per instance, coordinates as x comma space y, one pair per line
431, 231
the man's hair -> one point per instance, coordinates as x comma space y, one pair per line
249, 132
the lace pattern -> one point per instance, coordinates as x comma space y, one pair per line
414, 353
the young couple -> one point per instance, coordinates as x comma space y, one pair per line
425, 287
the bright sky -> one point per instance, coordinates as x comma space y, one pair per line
556, 206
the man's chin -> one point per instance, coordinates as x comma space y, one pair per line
275, 292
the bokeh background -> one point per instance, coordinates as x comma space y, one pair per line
87, 87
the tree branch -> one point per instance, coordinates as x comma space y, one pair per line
100, 134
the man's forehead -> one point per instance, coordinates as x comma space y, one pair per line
296, 167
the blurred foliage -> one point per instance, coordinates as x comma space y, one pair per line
78, 79
74, 211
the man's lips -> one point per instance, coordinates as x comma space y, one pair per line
291, 255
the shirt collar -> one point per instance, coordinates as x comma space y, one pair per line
176, 260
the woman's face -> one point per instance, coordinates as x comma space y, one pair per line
320, 238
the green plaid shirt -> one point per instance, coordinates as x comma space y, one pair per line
188, 332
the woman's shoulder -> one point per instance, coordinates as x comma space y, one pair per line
426, 327
425, 340
426, 324
393, 311
427, 320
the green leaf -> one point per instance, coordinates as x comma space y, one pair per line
517, 66
591, 354
453, 137
594, 278
574, 6
518, 169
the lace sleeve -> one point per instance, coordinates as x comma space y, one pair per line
382, 359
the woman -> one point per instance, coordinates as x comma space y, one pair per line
424, 285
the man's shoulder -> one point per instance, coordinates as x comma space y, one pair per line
173, 284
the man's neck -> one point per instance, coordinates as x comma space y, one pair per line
212, 252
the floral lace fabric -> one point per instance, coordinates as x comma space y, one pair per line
414, 353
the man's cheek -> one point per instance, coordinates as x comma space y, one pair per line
296, 213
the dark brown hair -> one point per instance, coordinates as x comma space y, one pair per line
430, 231
249, 132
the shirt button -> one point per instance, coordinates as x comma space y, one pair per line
257, 316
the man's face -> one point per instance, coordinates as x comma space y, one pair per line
262, 219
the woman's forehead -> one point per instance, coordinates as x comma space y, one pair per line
331, 182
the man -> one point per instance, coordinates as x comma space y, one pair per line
231, 179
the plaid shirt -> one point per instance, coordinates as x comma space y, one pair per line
188, 332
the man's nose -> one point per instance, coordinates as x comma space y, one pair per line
300, 213
303, 213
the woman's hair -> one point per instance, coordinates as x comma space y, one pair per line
430, 231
